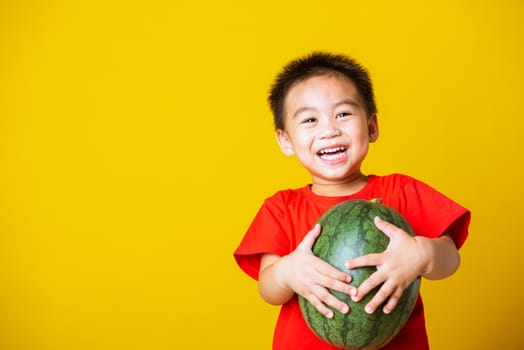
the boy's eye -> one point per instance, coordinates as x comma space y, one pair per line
342, 114
309, 120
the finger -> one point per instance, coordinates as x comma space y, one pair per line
319, 305
373, 281
392, 302
332, 273
385, 292
310, 238
335, 303
364, 260
387, 228
330, 300
341, 285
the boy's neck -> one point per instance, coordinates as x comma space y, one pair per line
338, 189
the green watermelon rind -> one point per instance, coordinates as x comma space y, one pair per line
357, 329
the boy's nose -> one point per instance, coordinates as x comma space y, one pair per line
329, 130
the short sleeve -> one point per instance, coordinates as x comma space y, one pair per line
432, 214
266, 234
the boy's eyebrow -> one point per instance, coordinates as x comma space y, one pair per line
303, 109
347, 101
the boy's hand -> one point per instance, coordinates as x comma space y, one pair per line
311, 277
401, 263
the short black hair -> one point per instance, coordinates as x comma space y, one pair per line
318, 63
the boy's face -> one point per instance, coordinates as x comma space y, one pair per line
327, 128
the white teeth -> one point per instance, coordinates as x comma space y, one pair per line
332, 150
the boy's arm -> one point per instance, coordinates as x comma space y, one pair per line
442, 257
303, 273
405, 259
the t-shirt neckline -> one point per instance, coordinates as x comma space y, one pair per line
361, 194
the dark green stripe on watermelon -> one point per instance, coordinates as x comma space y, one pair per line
348, 231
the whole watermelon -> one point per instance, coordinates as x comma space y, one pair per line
348, 231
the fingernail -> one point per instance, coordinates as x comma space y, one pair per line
345, 309
369, 309
329, 314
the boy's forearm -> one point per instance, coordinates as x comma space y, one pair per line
442, 257
271, 282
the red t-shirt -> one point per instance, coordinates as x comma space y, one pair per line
286, 217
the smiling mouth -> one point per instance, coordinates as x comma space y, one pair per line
331, 154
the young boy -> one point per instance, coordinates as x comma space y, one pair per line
325, 115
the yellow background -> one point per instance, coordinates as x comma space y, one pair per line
136, 146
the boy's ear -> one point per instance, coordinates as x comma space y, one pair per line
373, 128
285, 144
